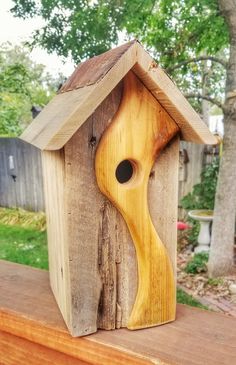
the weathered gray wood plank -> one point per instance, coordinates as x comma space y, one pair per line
21, 185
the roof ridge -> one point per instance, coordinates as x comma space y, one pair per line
93, 70
92, 82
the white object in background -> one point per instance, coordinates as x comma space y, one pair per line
205, 217
216, 124
11, 162
232, 288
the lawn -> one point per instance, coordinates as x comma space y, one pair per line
23, 245
23, 237
23, 240
185, 298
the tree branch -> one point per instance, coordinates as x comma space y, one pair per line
208, 98
197, 59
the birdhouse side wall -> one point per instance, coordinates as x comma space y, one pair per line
53, 163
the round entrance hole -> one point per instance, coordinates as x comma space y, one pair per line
124, 171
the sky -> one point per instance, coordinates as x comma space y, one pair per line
17, 30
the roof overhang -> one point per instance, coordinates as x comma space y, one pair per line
92, 82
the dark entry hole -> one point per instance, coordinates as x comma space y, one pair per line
124, 171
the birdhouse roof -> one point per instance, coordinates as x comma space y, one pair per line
91, 83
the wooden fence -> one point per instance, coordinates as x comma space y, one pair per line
21, 183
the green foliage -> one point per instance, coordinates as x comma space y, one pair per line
193, 233
174, 31
23, 245
203, 194
215, 281
187, 299
83, 28
198, 263
79, 28
22, 84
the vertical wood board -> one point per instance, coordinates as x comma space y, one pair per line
125, 155
92, 227
56, 213
163, 196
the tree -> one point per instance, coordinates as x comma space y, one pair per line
189, 38
221, 255
22, 84
184, 36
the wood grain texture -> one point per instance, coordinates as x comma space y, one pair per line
16, 350
193, 129
62, 117
56, 212
86, 233
163, 197
26, 190
92, 227
29, 312
138, 132
94, 69
162, 202
94, 248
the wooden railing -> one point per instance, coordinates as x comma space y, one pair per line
32, 331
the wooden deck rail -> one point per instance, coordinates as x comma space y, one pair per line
32, 332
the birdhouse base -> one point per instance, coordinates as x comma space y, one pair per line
33, 332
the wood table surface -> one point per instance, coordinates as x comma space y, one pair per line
32, 331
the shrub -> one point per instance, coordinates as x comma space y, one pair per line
203, 194
197, 264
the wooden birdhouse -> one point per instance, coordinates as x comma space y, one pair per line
110, 151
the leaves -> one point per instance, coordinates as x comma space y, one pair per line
22, 84
198, 263
203, 194
173, 31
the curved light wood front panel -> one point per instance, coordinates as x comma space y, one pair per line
126, 153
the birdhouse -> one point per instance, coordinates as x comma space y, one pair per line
110, 151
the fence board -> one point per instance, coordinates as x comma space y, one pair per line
21, 183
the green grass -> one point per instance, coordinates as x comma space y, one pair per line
23, 245
185, 298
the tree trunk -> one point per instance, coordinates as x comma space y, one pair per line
221, 253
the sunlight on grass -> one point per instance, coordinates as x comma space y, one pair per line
23, 218
24, 246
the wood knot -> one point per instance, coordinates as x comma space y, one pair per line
92, 141
152, 66
152, 174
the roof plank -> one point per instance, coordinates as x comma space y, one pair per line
193, 129
94, 69
67, 111
91, 83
